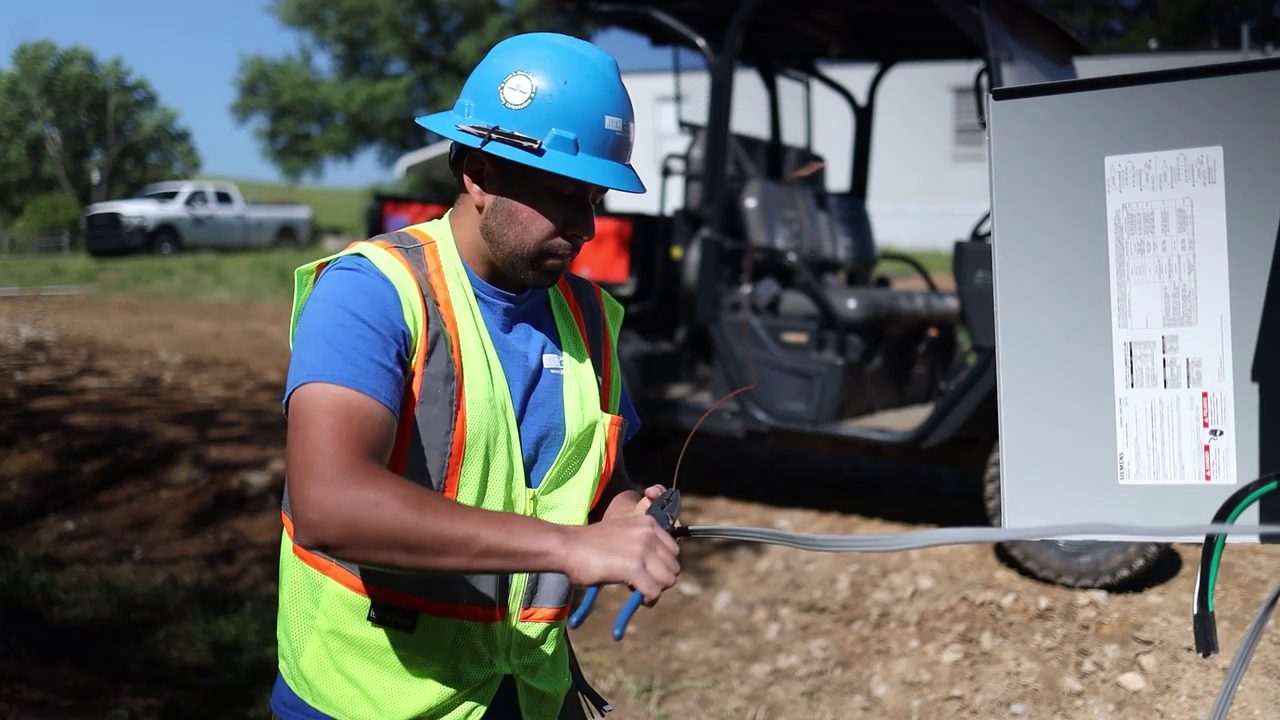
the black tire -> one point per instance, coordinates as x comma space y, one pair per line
165, 241
1071, 563
285, 238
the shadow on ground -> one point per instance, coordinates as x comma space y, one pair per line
82, 642
135, 566
778, 476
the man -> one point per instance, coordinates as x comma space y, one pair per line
455, 420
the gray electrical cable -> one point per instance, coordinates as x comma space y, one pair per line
1248, 643
918, 539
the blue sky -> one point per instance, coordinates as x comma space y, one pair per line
190, 55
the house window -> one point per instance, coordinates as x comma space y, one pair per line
968, 138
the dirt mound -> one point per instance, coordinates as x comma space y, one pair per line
142, 456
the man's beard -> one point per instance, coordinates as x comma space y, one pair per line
500, 228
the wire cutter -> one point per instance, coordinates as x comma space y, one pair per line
666, 510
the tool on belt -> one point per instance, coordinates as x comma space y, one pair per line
666, 510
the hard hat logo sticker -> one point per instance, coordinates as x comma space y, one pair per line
517, 90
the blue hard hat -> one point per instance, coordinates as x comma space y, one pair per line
552, 102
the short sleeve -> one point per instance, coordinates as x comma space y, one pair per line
352, 333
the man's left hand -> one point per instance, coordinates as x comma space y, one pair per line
651, 493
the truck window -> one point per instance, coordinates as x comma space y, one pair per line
158, 195
198, 198
224, 197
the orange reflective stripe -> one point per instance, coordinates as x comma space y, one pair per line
352, 582
572, 300
544, 615
324, 566
612, 437
440, 289
400, 450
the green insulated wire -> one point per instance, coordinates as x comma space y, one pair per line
1250, 499
1203, 627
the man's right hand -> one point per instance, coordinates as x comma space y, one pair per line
634, 551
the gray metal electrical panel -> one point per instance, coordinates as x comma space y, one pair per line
1134, 226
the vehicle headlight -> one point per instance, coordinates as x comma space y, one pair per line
133, 221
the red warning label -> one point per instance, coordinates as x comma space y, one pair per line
1204, 409
1208, 476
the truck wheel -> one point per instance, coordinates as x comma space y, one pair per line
165, 242
1072, 563
285, 238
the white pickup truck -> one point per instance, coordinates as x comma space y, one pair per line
168, 217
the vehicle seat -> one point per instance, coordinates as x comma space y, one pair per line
748, 157
790, 218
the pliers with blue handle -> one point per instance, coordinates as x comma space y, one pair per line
666, 510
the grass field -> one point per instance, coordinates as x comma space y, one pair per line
261, 276
336, 209
265, 276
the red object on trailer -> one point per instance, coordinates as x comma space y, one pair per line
606, 259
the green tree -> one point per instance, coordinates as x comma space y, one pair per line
49, 214
365, 68
88, 129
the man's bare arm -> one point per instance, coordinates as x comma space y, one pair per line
347, 504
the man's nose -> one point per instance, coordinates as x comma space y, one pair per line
581, 226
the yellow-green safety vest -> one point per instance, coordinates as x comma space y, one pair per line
358, 642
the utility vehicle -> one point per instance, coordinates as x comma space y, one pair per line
765, 279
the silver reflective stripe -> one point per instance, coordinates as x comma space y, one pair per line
487, 590
547, 590
484, 591
427, 461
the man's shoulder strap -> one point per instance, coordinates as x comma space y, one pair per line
594, 299
397, 256
600, 317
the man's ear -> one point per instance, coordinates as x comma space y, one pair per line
479, 178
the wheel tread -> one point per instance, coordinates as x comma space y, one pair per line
1133, 562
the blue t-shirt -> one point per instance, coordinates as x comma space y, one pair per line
352, 333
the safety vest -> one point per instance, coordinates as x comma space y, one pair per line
358, 642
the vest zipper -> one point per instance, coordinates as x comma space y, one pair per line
519, 586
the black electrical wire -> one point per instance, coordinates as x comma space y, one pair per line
1204, 626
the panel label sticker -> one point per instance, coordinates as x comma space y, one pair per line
1171, 318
